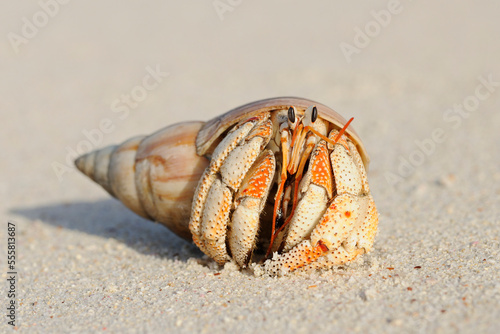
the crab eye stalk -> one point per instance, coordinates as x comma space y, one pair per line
291, 115
314, 115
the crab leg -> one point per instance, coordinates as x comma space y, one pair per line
355, 244
209, 176
317, 190
250, 201
297, 144
214, 221
298, 178
287, 196
230, 162
285, 144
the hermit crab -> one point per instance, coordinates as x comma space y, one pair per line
279, 182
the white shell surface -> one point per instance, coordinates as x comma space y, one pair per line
121, 175
167, 173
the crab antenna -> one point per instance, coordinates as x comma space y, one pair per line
341, 132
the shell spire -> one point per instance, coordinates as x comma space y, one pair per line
155, 176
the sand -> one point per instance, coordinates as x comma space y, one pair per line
422, 80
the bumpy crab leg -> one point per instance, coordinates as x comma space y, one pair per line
298, 177
230, 163
317, 190
249, 202
285, 144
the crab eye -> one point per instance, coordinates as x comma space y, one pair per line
314, 115
291, 114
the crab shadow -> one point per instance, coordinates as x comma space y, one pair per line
110, 220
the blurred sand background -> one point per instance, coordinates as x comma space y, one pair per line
421, 78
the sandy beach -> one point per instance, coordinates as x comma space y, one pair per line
421, 79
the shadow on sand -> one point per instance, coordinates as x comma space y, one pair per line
110, 219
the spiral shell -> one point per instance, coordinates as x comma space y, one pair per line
154, 176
